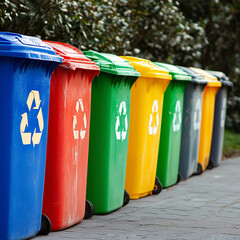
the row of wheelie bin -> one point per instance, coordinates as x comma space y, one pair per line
84, 132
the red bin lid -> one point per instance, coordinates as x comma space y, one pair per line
72, 57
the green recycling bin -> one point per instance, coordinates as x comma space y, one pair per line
109, 124
171, 129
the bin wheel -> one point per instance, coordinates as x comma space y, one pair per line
157, 187
45, 226
199, 169
89, 210
179, 178
210, 165
126, 198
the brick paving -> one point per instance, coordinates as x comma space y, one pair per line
202, 207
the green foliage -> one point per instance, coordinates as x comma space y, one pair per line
221, 20
55, 19
231, 146
155, 30
159, 31
183, 32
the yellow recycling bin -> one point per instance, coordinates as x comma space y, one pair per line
144, 128
208, 104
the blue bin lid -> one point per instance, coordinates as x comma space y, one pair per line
197, 78
222, 78
22, 46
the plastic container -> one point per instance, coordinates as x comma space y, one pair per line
191, 123
26, 65
144, 131
208, 104
219, 119
109, 126
68, 137
171, 129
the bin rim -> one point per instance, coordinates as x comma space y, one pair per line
22, 46
147, 69
196, 78
212, 80
73, 58
221, 76
113, 64
177, 73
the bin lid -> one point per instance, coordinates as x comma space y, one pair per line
72, 57
196, 78
212, 80
22, 46
147, 68
222, 78
177, 73
111, 63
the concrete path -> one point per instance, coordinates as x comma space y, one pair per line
203, 207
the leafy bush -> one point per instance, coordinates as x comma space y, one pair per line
200, 33
155, 30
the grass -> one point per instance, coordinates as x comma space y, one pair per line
231, 146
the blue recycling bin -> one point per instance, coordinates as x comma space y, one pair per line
26, 64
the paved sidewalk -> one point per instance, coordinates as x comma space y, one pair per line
203, 207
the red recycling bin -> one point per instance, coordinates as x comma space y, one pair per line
68, 137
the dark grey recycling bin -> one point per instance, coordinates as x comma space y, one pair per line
192, 110
219, 119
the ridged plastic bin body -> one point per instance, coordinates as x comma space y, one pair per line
191, 124
208, 104
67, 151
145, 124
110, 113
171, 130
24, 105
218, 127
208, 108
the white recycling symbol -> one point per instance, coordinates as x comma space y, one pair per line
153, 129
121, 134
197, 115
35, 137
79, 106
177, 117
223, 112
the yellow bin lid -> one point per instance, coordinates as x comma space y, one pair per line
147, 69
212, 80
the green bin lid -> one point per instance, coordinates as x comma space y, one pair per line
177, 73
111, 63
